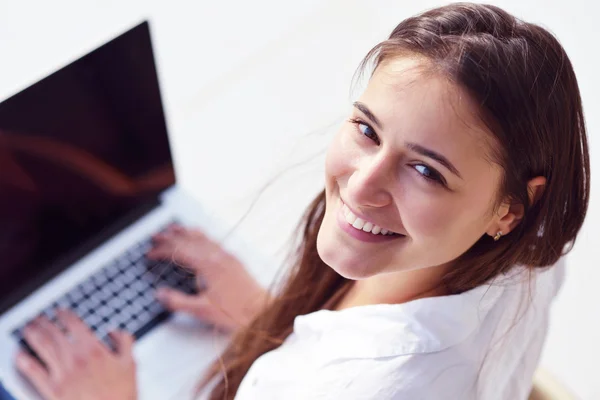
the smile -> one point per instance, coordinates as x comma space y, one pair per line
363, 225
362, 230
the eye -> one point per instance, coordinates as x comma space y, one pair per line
365, 129
430, 174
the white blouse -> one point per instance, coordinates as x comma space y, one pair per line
483, 344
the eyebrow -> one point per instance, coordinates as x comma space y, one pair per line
435, 156
365, 110
412, 146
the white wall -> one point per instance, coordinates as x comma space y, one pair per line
244, 82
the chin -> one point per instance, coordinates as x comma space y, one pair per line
341, 261
349, 272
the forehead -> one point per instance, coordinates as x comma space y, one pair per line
416, 104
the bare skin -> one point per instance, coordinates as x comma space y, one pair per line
380, 165
79, 366
232, 296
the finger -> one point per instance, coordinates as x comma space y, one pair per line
54, 332
123, 343
85, 346
35, 373
61, 344
177, 301
198, 234
164, 236
200, 306
162, 251
171, 231
198, 238
213, 314
42, 344
176, 228
177, 251
81, 334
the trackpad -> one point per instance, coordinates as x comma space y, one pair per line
172, 358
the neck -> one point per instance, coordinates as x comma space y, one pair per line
394, 288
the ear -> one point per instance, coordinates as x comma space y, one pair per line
510, 214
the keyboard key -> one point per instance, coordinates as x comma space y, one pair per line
75, 295
140, 286
106, 292
81, 309
122, 262
99, 279
155, 308
115, 302
63, 302
112, 270
117, 285
92, 320
135, 309
121, 294
88, 287
104, 311
127, 294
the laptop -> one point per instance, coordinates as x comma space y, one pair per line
86, 179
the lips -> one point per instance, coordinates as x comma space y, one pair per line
365, 232
361, 222
363, 225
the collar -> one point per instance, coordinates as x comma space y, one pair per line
381, 330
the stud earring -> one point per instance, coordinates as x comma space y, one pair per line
498, 236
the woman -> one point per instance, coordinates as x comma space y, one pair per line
460, 175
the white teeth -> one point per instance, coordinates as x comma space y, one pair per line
350, 218
361, 224
358, 223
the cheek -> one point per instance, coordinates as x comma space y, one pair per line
339, 156
446, 219
426, 217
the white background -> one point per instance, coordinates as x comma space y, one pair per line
254, 87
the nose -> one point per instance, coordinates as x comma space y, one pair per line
369, 184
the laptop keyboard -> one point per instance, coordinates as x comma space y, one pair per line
121, 295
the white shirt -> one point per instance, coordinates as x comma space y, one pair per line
429, 348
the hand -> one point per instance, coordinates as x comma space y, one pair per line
78, 365
231, 298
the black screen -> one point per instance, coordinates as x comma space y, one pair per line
81, 151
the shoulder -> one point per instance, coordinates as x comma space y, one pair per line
444, 374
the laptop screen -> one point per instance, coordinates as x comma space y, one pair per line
82, 152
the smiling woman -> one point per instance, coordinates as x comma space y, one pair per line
390, 165
459, 177
426, 267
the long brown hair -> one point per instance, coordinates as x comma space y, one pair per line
527, 91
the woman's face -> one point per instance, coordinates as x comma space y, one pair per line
412, 159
